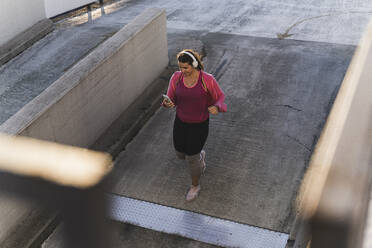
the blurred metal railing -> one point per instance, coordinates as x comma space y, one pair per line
335, 193
67, 179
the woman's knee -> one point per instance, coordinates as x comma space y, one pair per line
194, 164
181, 155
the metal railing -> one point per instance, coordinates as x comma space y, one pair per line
67, 179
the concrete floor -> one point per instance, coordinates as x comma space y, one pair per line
278, 95
333, 21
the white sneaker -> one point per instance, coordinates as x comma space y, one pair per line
193, 192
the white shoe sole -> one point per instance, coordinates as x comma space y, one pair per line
192, 196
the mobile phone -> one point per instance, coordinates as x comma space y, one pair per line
167, 98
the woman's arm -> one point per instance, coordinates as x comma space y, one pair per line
171, 92
217, 94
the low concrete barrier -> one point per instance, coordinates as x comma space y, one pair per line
55, 7
18, 16
335, 193
81, 105
24, 40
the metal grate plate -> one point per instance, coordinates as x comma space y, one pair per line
193, 225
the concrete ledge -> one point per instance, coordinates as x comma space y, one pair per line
335, 192
85, 101
130, 122
24, 40
82, 104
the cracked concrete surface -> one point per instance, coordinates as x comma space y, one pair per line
278, 95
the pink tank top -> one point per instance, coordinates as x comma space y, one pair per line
192, 103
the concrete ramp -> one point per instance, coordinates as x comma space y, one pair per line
279, 93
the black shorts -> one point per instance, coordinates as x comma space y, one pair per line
189, 138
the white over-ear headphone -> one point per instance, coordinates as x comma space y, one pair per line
194, 61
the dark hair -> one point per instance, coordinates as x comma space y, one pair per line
185, 58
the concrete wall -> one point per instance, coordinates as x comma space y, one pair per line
82, 104
18, 15
335, 193
56, 7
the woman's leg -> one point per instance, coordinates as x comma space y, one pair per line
181, 155
195, 168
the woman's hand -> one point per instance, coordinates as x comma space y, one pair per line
213, 110
167, 104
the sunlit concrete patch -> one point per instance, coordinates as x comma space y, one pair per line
332, 21
192, 225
